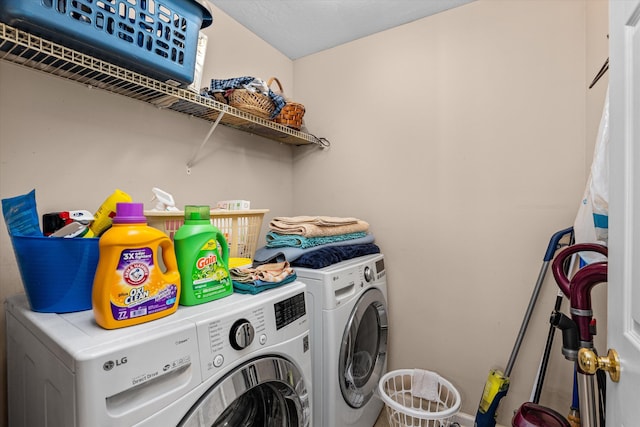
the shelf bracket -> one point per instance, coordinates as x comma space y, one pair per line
192, 162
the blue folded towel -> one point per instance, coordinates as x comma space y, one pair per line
276, 240
258, 286
326, 256
266, 255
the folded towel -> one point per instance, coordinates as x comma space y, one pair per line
424, 385
266, 255
261, 278
275, 240
326, 256
258, 286
274, 272
317, 226
284, 221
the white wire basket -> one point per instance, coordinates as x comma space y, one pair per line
408, 406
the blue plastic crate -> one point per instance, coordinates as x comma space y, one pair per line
153, 37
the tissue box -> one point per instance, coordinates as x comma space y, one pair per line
234, 205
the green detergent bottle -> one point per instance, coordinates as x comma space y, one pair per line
203, 258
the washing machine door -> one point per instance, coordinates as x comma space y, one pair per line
363, 350
265, 392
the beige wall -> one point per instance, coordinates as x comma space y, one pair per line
75, 145
464, 139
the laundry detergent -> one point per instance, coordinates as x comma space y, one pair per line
203, 258
130, 285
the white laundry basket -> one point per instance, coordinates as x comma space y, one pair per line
432, 403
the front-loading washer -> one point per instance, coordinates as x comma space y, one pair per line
243, 360
349, 331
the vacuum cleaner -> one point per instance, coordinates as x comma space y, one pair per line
497, 384
577, 334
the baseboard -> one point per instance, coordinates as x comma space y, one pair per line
466, 420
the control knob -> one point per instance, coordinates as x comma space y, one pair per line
242, 334
368, 274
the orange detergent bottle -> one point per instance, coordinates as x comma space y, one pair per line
130, 286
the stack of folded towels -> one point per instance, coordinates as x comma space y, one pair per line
315, 241
263, 277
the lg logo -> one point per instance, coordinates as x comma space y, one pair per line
110, 364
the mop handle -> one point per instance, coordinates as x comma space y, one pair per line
554, 243
551, 250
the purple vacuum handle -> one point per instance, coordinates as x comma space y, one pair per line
558, 264
581, 284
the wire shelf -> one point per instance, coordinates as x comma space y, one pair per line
28, 50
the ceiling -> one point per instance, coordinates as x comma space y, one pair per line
299, 28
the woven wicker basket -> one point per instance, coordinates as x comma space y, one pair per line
253, 103
292, 113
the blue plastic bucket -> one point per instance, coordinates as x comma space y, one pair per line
57, 273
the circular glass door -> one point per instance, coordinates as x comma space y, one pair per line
266, 392
363, 350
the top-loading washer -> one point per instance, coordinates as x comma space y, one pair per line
243, 360
349, 331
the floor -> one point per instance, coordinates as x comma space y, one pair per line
382, 419
463, 419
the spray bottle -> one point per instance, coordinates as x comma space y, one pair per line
130, 286
203, 258
164, 200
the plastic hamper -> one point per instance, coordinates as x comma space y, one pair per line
240, 228
405, 409
158, 38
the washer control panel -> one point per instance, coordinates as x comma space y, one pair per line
380, 271
373, 270
239, 325
289, 310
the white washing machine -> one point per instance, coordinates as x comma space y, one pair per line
243, 360
348, 312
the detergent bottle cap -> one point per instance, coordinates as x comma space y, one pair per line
197, 214
129, 213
